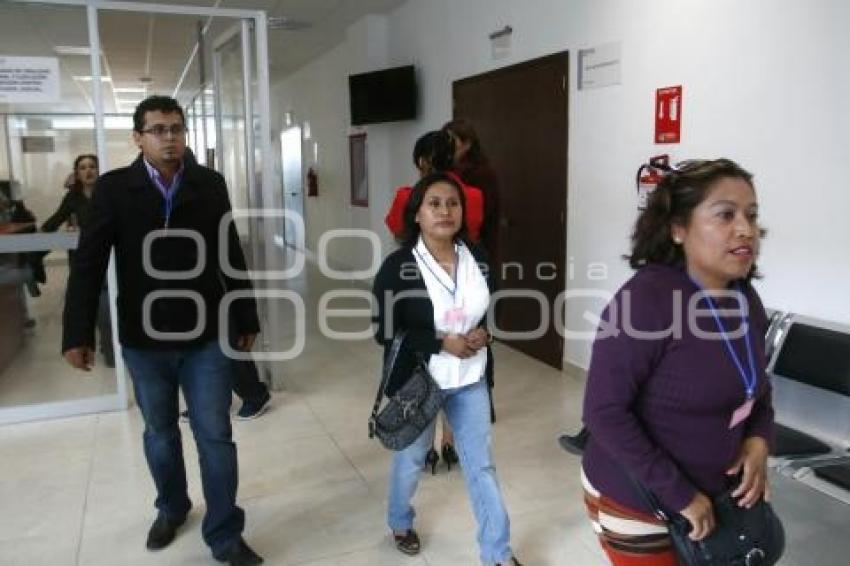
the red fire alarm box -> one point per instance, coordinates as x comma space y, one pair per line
668, 114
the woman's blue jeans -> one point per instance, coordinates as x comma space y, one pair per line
468, 411
205, 376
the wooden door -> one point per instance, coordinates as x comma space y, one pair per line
520, 114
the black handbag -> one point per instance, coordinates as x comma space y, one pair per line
413, 407
742, 537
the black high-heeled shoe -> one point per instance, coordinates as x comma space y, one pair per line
450, 455
431, 459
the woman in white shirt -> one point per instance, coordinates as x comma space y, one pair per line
437, 289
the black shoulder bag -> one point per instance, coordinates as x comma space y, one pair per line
742, 537
411, 409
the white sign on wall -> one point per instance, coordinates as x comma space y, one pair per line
29, 79
599, 66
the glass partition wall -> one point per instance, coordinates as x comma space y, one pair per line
59, 101
48, 119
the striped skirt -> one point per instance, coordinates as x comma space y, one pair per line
628, 537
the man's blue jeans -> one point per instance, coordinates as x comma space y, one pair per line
468, 411
205, 375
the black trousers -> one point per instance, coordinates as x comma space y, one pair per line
246, 377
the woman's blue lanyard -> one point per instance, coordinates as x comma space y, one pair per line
452, 290
751, 379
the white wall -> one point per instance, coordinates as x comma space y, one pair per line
765, 83
318, 94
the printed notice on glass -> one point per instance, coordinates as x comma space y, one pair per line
29, 79
599, 66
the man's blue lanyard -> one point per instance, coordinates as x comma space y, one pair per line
750, 379
168, 195
167, 192
169, 204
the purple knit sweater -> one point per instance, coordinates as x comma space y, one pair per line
661, 407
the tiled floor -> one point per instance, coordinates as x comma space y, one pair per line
39, 374
77, 491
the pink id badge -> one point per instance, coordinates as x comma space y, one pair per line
454, 317
741, 413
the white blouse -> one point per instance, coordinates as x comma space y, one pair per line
459, 306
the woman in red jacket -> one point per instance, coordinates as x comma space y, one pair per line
472, 166
434, 152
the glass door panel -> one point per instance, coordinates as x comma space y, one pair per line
47, 121
293, 184
75, 106
232, 140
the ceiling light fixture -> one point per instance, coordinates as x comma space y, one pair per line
129, 89
72, 50
288, 24
88, 79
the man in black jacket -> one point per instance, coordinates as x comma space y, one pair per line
162, 215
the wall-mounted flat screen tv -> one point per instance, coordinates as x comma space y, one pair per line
388, 95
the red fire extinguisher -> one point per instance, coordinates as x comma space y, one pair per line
648, 177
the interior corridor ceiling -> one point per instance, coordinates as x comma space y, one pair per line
151, 51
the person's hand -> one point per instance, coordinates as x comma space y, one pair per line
752, 465
476, 338
246, 342
455, 344
700, 514
80, 358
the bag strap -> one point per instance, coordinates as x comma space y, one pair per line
652, 500
649, 498
389, 363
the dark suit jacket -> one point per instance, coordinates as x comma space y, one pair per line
126, 207
399, 275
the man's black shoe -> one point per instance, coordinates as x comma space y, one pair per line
253, 408
162, 532
240, 554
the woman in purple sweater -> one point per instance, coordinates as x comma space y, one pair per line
677, 395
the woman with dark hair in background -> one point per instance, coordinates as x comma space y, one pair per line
432, 153
473, 167
433, 288
680, 403
75, 210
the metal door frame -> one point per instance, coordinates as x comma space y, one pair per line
243, 31
119, 400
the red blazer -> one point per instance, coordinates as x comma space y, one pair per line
474, 210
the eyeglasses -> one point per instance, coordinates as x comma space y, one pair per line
160, 131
